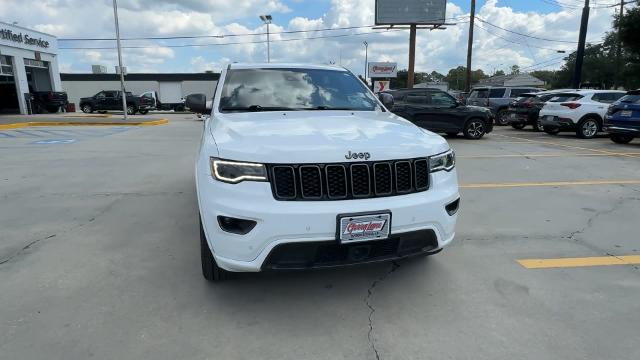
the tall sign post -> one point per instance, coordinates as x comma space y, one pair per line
414, 14
124, 93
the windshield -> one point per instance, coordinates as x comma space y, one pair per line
294, 89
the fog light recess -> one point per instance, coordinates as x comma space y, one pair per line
235, 225
452, 208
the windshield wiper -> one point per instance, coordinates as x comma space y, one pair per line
325, 107
257, 108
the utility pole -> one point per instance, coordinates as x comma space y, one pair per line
577, 74
619, 47
412, 55
123, 91
472, 18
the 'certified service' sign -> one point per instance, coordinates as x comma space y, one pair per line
383, 69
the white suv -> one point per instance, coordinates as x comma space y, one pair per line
300, 166
581, 111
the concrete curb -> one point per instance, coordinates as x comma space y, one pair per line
82, 123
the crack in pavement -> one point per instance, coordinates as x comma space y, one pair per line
394, 267
73, 228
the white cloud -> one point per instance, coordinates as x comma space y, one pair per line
436, 50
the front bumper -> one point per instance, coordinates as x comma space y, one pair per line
280, 223
621, 130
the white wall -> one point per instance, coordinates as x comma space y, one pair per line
79, 89
198, 87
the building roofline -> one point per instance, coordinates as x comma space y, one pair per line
27, 29
141, 77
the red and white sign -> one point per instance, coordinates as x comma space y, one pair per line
380, 85
383, 69
364, 227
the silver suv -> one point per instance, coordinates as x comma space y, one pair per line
497, 99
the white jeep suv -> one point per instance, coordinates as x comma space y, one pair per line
581, 111
300, 166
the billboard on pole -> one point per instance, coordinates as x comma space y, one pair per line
383, 70
404, 12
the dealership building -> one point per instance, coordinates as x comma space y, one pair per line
28, 62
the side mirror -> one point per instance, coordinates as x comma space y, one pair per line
387, 99
209, 107
197, 103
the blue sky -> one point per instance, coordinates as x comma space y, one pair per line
437, 50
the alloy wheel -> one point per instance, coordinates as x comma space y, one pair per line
476, 129
589, 128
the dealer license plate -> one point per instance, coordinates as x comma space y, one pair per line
363, 227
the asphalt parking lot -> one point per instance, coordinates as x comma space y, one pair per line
99, 258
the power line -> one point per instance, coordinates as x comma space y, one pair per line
230, 43
221, 36
516, 42
526, 35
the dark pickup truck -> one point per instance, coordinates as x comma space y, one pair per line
50, 101
110, 100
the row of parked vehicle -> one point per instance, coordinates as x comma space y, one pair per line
108, 100
583, 111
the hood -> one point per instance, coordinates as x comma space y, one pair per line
320, 136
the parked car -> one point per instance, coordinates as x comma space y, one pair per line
497, 99
459, 95
437, 111
622, 120
581, 111
525, 109
50, 101
318, 175
109, 100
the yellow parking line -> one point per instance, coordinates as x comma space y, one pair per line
547, 183
82, 123
563, 145
579, 262
543, 155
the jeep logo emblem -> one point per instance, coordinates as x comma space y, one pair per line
357, 155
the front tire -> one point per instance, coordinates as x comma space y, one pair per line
87, 109
210, 269
131, 110
143, 112
474, 129
501, 117
588, 128
518, 126
621, 138
537, 126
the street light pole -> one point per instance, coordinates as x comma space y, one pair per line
123, 91
267, 20
366, 59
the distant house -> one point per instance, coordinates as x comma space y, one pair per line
511, 80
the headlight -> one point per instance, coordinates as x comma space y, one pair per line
235, 172
445, 161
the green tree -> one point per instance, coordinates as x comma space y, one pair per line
499, 73
629, 29
515, 69
457, 77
